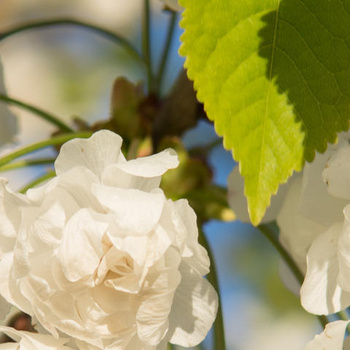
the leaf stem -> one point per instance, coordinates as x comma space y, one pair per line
42, 144
268, 232
39, 112
38, 181
219, 331
26, 162
67, 21
146, 44
165, 54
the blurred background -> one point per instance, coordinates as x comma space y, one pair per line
70, 71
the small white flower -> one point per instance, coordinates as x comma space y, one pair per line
100, 254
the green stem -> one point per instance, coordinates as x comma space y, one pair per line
66, 21
42, 144
39, 112
165, 54
26, 162
38, 181
219, 331
271, 236
146, 44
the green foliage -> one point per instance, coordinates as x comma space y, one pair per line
274, 77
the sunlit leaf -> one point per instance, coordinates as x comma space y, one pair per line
274, 76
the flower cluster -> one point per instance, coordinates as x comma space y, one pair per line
313, 213
99, 255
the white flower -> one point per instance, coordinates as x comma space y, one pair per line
332, 338
326, 288
32, 341
173, 4
100, 254
308, 208
8, 120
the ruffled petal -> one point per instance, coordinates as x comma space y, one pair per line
135, 212
10, 294
184, 220
11, 205
321, 293
331, 338
95, 153
34, 341
81, 248
194, 309
142, 173
153, 313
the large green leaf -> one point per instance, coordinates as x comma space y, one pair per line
274, 76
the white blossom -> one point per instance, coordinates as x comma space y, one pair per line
326, 286
100, 254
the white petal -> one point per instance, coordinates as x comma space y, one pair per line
194, 310
45, 224
9, 346
151, 166
316, 203
320, 292
141, 173
135, 212
95, 153
184, 220
153, 313
336, 173
331, 338
238, 201
296, 231
343, 252
12, 296
34, 341
81, 248
10, 216
77, 182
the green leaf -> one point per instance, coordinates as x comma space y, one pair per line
274, 76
